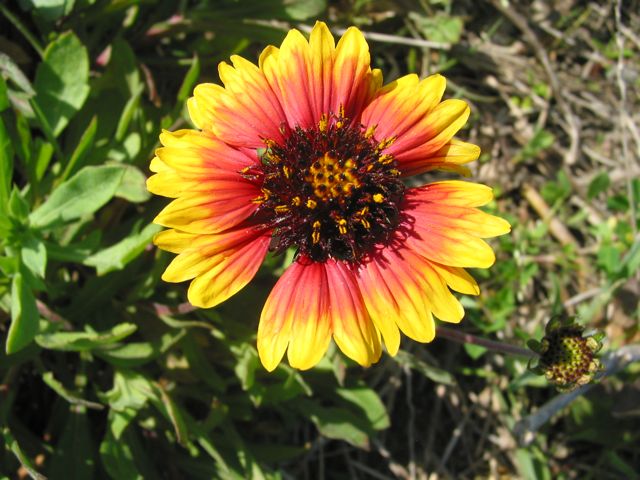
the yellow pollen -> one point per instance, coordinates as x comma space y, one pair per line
386, 143
370, 131
312, 204
296, 201
365, 223
282, 208
342, 226
323, 123
287, 171
315, 235
378, 197
385, 159
332, 179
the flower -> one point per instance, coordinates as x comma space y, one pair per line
567, 357
308, 151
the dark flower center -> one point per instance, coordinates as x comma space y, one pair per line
329, 190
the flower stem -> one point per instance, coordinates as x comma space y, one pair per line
462, 337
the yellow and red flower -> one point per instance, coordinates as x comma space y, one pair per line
307, 151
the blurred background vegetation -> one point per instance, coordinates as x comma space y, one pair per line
109, 374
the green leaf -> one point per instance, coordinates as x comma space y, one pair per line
304, 9
246, 364
474, 351
24, 316
73, 457
134, 354
175, 414
369, 403
84, 341
127, 114
25, 461
133, 186
441, 28
18, 206
82, 149
598, 185
115, 452
189, 80
609, 258
631, 261
34, 255
10, 70
83, 194
6, 166
130, 390
119, 255
4, 96
50, 10
68, 395
434, 373
336, 423
61, 80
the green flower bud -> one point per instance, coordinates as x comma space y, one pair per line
567, 358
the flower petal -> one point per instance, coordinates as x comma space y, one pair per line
296, 314
451, 157
401, 105
221, 265
442, 225
394, 296
244, 112
352, 76
317, 77
457, 279
353, 331
411, 112
198, 153
225, 206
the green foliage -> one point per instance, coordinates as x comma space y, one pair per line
105, 372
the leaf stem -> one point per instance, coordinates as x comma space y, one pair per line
33, 41
463, 337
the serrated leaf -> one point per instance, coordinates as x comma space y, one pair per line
61, 82
84, 341
119, 255
130, 390
81, 195
24, 315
